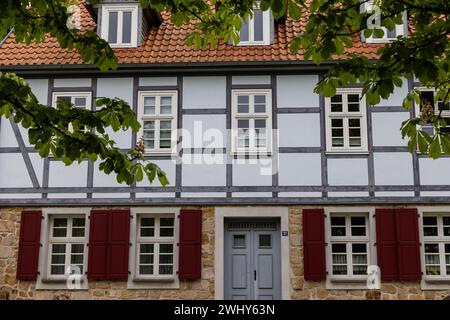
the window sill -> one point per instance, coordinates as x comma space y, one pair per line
59, 284
158, 279
252, 153
155, 283
440, 283
380, 41
346, 283
356, 152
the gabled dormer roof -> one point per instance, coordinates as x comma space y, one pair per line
165, 44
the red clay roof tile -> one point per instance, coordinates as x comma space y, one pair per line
166, 44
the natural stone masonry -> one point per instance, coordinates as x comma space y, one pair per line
302, 289
10, 288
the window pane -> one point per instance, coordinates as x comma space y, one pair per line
80, 102
358, 221
59, 248
64, 99
391, 34
358, 226
166, 270
166, 105
166, 221
166, 232
353, 102
57, 270
339, 248
239, 241
244, 31
78, 232
358, 231
426, 98
258, 25
60, 222
126, 27
76, 259
260, 104
77, 248
149, 110
149, 125
431, 248
112, 27
146, 248
146, 259
433, 270
165, 125
336, 103
265, 241
166, 259
146, 269
243, 104
59, 227
430, 231
166, 248
58, 259
338, 226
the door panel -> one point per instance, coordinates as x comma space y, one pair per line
237, 265
267, 264
252, 261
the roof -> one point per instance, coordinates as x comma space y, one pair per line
166, 45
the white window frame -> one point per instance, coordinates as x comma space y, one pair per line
157, 118
251, 116
73, 95
345, 115
400, 29
444, 114
430, 282
136, 281
266, 17
104, 32
349, 282
45, 280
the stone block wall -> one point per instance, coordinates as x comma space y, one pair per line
10, 288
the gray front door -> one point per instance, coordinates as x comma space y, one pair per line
252, 260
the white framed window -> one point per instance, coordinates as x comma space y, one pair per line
64, 249
252, 121
346, 121
388, 35
428, 96
82, 100
119, 25
350, 246
256, 30
154, 253
158, 116
435, 249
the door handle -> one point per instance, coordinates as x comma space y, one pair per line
254, 274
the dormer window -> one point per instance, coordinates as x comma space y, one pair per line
257, 30
388, 35
120, 25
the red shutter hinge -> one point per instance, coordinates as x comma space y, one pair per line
89, 217
42, 216
130, 244
373, 216
178, 244
375, 244
40, 244
38, 272
326, 244
131, 216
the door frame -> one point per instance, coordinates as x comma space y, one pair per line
250, 212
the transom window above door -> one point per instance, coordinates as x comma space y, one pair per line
251, 124
119, 25
158, 116
346, 122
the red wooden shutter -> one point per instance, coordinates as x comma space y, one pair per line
314, 244
30, 234
119, 244
190, 249
408, 244
387, 243
98, 244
